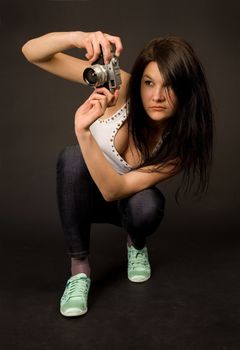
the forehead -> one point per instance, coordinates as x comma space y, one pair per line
152, 71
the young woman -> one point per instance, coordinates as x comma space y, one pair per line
157, 124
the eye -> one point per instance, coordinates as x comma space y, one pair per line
148, 82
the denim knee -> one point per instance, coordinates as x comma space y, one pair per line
144, 211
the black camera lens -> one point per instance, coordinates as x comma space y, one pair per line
90, 76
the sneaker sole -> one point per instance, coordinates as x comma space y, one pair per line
74, 312
138, 279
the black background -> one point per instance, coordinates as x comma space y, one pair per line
37, 113
37, 108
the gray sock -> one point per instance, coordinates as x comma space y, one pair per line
80, 266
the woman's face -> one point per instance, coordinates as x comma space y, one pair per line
159, 101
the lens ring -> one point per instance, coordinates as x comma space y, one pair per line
95, 75
90, 76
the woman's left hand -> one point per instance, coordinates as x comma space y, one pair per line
93, 108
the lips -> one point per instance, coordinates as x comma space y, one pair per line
157, 108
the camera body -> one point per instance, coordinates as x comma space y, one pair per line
106, 75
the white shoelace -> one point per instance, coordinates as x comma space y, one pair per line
77, 287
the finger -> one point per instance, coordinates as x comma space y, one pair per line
95, 103
111, 98
114, 98
96, 49
84, 107
97, 107
103, 91
89, 49
117, 42
116, 93
106, 94
96, 96
100, 99
106, 48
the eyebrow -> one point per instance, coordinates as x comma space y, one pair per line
152, 78
147, 76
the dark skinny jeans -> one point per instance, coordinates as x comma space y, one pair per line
81, 203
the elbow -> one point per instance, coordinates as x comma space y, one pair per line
29, 52
111, 196
25, 51
114, 191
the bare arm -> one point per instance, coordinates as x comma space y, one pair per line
46, 46
112, 185
46, 52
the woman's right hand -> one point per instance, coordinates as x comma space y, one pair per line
91, 41
93, 108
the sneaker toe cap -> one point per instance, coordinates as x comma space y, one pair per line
73, 308
139, 276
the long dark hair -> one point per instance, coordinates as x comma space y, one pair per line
188, 135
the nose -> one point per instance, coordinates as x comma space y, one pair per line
159, 94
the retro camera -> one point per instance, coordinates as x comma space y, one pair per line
106, 75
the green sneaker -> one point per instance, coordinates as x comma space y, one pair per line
139, 269
75, 296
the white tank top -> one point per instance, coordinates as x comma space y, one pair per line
104, 132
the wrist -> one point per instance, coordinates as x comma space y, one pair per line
75, 38
83, 134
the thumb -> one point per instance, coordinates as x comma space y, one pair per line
115, 96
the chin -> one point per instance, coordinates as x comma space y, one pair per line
158, 117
